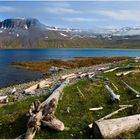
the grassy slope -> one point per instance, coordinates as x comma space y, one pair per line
14, 121
56, 41
89, 42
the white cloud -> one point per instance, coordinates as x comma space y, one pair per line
6, 9
62, 10
133, 15
80, 19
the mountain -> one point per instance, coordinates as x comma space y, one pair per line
24, 31
31, 33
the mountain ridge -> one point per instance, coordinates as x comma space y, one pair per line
31, 33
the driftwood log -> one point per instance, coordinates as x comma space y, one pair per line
122, 107
136, 93
116, 112
43, 113
110, 70
114, 97
4, 99
114, 86
114, 127
41, 84
96, 108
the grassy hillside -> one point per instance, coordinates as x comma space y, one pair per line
75, 42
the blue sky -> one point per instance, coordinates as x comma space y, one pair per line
75, 14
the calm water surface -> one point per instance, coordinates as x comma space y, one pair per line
12, 75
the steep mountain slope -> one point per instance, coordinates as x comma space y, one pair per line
30, 33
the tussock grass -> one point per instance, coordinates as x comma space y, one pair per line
74, 63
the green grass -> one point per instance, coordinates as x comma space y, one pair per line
13, 118
14, 121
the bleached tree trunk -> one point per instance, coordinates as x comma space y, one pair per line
44, 113
114, 127
136, 93
114, 97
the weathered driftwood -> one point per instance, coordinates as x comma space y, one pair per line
91, 74
123, 73
80, 75
4, 99
103, 68
68, 109
135, 92
44, 84
13, 91
68, 76
114, 86
127, 72
44, 113
83, 75
114, 97
113, 113
80, 92
96, 108
114, 127
110, 70
41, 84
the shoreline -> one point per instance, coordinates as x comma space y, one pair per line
107, 48
54, 77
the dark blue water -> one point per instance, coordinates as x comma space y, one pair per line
10, 74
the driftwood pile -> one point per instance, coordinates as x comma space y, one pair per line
111, 128
43, 113
41, 84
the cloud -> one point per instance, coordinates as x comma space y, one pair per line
62, 10
60, 4
6, 9
80, 19
132, 15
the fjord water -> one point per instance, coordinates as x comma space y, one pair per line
10, 74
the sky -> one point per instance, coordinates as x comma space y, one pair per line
75, 14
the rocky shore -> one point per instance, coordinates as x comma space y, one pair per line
55, 77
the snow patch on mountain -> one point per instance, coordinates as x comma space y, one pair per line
25, 26
17, 35
63, 35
